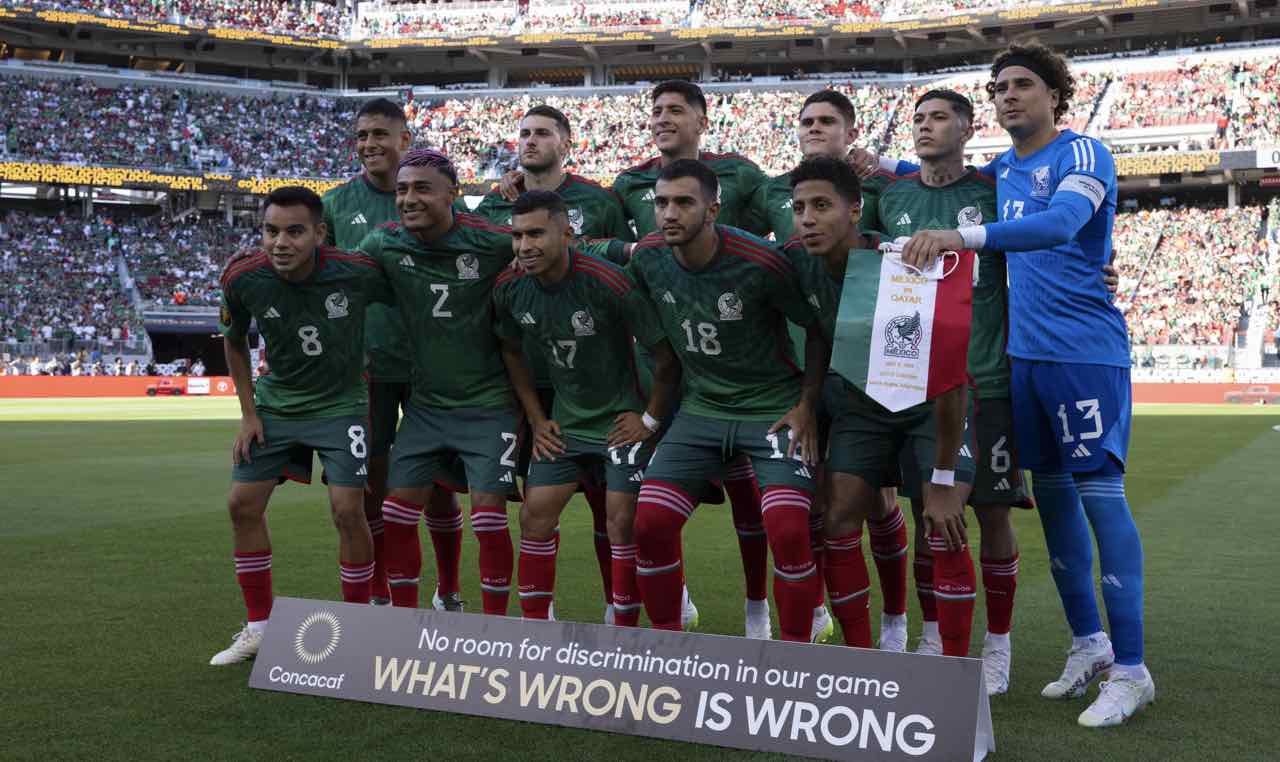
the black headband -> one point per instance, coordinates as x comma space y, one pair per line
1027, 62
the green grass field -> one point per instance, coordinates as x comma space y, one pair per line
118, 577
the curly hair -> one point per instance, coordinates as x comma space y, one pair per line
1050, 66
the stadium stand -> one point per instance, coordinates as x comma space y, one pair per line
281, 16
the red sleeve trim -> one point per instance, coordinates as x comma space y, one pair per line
752, 251
476, 222
239, 267
602, 272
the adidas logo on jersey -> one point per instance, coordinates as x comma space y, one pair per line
648, 195
527, 319
1003, 485
668, 298
359, 219
1005, 174
272, 313
1081, 451
786, 204
364, 471
506, 478
406, 261
905, 219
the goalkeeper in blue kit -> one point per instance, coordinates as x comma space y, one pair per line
1056, 196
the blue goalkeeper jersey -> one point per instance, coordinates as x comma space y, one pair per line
1059, 307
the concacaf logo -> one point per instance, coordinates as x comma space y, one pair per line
322, 629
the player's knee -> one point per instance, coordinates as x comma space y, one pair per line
537, 522
245, 506
655, 528
788, 532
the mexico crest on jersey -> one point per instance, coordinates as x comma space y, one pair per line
336, 305
968, 216
1040, 181
583, 325
576, 220
468, 267
730, 306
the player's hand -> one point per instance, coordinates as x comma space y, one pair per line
863, 162
250, 431
804, 432
1111, 278
628, 429
944, 514
511, 185
547, 443
926, 246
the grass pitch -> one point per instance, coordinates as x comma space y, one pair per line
118, 576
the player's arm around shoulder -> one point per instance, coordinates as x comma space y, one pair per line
1086, 168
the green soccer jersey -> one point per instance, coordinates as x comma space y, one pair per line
907, 205
444, 291
739, 180
772, 204
582, 327
314, 330
595, 212
351, 211
728, 324
872, 187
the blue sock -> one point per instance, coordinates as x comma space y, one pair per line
1120, 551
1066, 533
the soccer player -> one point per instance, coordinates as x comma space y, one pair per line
723, 297
865, 438
309, 303
827, 126
594, 212
1070, 368
581, 314
677, 121
945, 193
442, 266
351, 211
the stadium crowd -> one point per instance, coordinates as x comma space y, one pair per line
550, 17
406, 20
178, 263
280, 16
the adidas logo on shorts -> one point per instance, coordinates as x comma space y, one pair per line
272, 313
527, 319
668, 298
406, 261
638, 476
1081, 451
506, 478
1003, 485
364, 471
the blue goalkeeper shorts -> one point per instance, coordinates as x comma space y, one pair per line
1070, 417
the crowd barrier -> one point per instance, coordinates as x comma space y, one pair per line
221, 386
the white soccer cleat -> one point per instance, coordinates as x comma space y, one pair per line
453, 602
1084, 664
608, 614
757, 624
1121, 697
373, 601
824, 627
893, 633
244, 646
688, 612
996, 655
929, 645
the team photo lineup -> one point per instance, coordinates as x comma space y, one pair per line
690, 336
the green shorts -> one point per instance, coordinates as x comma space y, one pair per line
386, 398
342, 444
866, 439
547, 397
430, 439
998, 480
620, 469
696, 448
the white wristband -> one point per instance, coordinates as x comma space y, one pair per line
650, 423
943, 478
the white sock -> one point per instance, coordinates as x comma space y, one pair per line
1132, 671
997, 640
893, 621
929, 631
1088, 641
758, 608
258, 626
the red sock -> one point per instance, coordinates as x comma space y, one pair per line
889, 548
489, 522
403, 550
924, 587
446, 540
626, 598
818, 547
253, 572
378, 583
795, 578
848, 587
744, 498
355, 581
1000, 581
537, 577
953, 587
661, 514
595, 495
